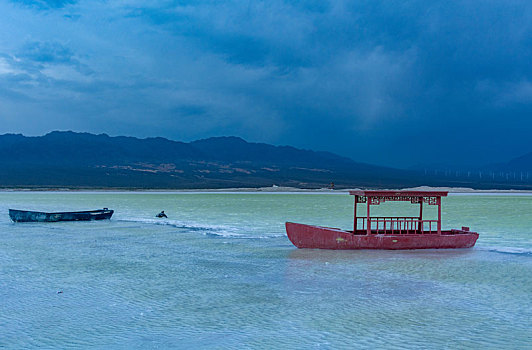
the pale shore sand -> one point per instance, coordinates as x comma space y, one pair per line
272, 189
326, 190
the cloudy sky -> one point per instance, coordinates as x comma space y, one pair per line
387, 82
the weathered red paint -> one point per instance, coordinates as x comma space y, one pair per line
385, 233
317, 237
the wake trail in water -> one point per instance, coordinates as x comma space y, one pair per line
205, 229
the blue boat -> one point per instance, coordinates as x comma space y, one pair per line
37, 216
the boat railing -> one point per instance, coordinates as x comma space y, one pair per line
397, 225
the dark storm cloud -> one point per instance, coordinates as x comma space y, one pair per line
35, 60
382, 81
45, 4
46, 52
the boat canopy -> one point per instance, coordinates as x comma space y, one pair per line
399, 194
397, 224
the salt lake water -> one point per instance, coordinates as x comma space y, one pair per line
220, 273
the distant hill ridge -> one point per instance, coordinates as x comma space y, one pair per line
86, 148
83, 160
66, 158
522, 163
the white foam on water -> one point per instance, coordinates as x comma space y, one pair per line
508, 250
205, 229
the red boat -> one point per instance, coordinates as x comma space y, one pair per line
385, 232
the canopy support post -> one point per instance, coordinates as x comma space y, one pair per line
420, 223
368, 223
355, 220
438, 201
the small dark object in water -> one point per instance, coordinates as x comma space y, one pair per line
37, 216
161, 215
60, 292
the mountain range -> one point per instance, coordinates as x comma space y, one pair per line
65, 159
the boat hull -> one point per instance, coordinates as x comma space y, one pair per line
36, 216
318, 237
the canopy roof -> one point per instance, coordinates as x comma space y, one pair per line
383, 193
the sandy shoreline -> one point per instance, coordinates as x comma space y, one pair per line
272, 189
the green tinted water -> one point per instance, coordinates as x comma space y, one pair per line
221, 273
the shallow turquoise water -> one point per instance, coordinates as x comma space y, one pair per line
221, 273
